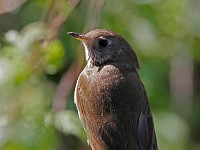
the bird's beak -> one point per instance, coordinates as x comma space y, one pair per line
80, 37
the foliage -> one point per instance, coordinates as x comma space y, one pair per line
39, 66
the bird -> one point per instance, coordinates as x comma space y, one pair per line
110, 97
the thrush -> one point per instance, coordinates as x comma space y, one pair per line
111, 100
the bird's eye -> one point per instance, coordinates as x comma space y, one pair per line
103, 42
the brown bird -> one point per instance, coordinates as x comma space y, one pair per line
111, 100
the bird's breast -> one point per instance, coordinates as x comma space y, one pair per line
105, 90
106, 98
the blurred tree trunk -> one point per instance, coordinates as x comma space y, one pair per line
181, 81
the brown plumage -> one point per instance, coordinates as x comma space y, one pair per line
110, 97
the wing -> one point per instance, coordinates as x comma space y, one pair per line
144, 128
146, 132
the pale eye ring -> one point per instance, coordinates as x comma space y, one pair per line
103, 42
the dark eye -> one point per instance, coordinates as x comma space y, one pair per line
103, 42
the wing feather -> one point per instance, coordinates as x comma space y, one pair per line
146, 133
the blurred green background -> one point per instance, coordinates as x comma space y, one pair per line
40, 63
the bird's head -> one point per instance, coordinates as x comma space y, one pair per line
103, 46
